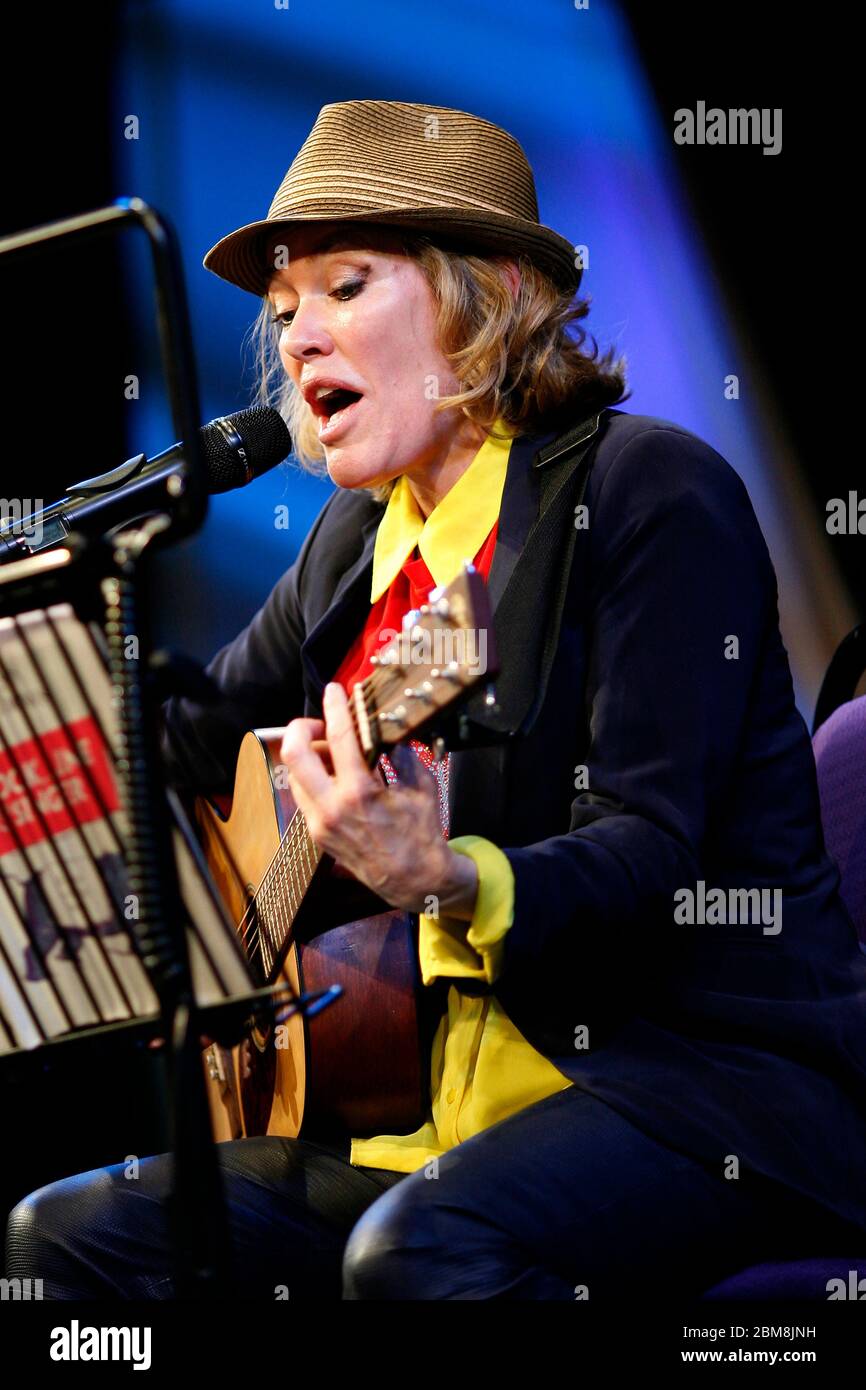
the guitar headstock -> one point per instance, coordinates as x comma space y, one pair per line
444, 650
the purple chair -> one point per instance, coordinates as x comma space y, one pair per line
839, 743
840, 757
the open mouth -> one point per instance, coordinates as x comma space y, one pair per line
331, 403
334, 409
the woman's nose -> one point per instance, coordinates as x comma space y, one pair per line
306, 336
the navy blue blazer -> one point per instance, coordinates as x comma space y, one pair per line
646, 742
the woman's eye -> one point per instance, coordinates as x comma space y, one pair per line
347, 290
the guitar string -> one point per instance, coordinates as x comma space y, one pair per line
267, 895
270, 879
286, 901
265, 905
275, 902
286, 870
293, 889
279, 898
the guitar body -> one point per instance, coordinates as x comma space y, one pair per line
359, 1067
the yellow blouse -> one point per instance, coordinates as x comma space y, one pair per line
482, 1067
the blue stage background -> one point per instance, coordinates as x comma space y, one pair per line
225, 94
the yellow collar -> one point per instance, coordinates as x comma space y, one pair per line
455, 529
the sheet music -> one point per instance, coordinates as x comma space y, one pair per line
66, 960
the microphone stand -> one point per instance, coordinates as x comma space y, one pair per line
196, 1207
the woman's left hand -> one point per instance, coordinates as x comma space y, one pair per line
388, 837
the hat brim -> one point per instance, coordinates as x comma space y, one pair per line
240, 257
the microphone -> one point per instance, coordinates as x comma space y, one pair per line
235, 448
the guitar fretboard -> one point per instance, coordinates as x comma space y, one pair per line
282, 891
287, 880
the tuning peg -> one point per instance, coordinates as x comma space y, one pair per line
419, 692
451, 672
397, 716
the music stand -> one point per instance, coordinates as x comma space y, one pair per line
108, 920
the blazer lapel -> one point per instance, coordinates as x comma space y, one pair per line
517, 513
539, 540
329, 639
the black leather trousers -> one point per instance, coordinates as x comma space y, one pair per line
564, 1200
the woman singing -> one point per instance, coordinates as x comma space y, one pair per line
649, 1070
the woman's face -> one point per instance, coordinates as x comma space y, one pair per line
357, 313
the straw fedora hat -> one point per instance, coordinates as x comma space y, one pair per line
455, 176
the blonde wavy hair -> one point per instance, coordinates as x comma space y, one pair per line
521, 357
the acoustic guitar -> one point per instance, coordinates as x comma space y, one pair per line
360, 1065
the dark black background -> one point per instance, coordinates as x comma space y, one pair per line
781, 228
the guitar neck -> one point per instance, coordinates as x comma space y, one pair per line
279, 898
287, 882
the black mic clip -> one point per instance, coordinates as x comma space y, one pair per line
106, 481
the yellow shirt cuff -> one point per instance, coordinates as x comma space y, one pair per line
452, 947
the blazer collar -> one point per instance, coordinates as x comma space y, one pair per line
327, 642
